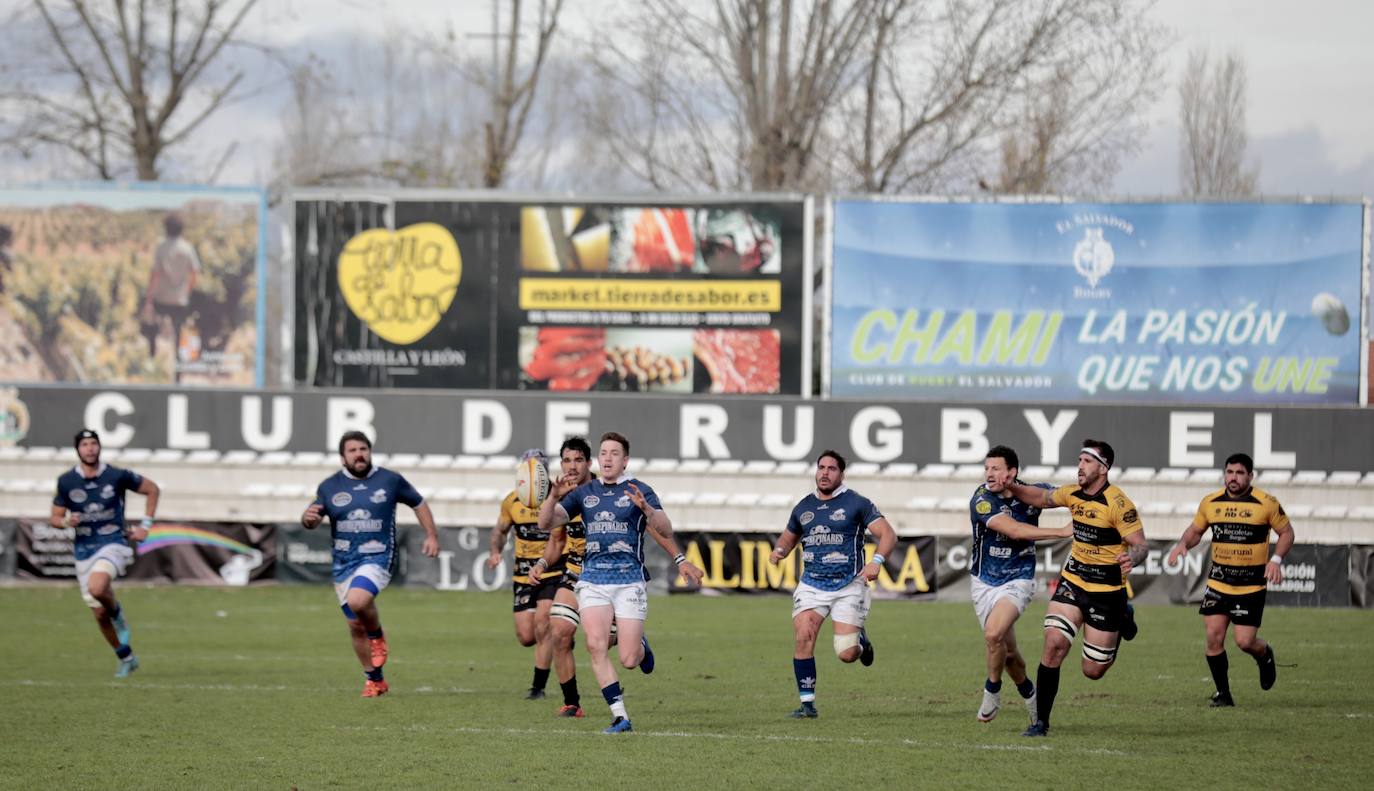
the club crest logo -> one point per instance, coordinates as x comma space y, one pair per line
341, 499
76, 496
806, 518
591, 501
378, 496
1093, 256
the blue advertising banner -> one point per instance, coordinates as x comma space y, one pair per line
1133, 302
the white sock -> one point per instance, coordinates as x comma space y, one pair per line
618, 709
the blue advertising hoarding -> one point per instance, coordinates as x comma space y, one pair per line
1131, 302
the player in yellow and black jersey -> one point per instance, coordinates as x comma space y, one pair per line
1240, 518
1108, 541
565, 550
532, 602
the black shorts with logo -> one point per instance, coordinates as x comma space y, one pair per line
1104, 610
1244, 609
527, 596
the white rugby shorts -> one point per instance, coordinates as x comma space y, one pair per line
378, 574
847, 605
629, 600
1019, 592
112, 559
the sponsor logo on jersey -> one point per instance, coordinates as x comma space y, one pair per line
999, 552
378, 496
359, 513
362, 487
807, 557
341, 544
604, 516
983, 507
819, 530
76, 496
591, 501
806, 518
623, 501
341, 499
107, 492
108, 529
372, 548
838, 516
593, 547
834, 557
620, 546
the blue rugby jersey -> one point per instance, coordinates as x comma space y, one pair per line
832, 536
100, 503
615, 530
362, 517
995, 558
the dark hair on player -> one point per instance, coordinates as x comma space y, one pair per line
1103, 449
1243, 459
1005, 454
834, 454
578, 444
352, 435
616, 436
173, 224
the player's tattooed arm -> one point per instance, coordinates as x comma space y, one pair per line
1136, 550
1037, 496
498, 539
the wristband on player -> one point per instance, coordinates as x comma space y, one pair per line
541, 565
147, 523
877, 558
679, 559
1277, 559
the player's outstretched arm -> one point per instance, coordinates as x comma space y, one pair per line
1037, 496
1023, 532
887, 541
314, 514
551, 513
431, 546
1190, 538
786, 542
498, 539
1273, 570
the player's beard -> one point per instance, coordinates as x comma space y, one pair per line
93, 461
360, 468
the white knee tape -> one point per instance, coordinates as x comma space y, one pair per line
565, 612
844, 642
1098, 654
1061, 624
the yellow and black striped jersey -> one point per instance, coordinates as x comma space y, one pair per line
1240, 537
530, 541
1100, 523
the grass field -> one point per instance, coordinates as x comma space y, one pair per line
258, 688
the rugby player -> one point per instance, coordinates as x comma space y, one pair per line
829, 524
360, 501
1108, 541
90, 500
565, 547
1002, 564
532, 601
617, 510
1240, 518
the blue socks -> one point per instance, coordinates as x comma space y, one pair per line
805, 671
993, 686
123, 652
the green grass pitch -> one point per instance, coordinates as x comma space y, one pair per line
258, 688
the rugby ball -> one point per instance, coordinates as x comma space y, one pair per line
531, 483
1331, 311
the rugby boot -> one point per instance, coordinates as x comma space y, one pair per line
375, 689
534, 694
1037, 728
619, 725
127, 665
1269, 672
865, 655
992, 703
1221, 700
1129, 629
572, 710
807, 711
646, 665
379, 651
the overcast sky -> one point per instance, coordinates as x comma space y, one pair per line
1311, 117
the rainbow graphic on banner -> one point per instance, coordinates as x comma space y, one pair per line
171, 535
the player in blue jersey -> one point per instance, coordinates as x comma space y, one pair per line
90, 500
617, 511
360, 501
1002, 562
829, 524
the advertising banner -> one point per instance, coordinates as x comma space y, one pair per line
739, 563
690, 427
458, 293
136, 285
203, 552
1207, 303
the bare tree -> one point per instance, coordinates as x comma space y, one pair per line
118, 83
514, 86
881, 95
1212, 137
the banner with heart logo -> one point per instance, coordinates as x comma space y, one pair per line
400, 283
